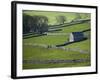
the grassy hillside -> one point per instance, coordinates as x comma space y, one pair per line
40, 53
52, 15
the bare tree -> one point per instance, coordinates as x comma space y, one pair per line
87, 16
78, 16
61, 19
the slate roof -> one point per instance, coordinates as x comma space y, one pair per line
78, 36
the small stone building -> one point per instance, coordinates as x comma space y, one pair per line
76, 36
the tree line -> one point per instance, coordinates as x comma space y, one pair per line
34, 24
39, 23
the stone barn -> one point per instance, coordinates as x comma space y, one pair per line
76, 36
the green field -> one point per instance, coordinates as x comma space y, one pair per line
40, 53
51, 15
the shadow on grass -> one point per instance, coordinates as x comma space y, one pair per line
68, 24
55, 30
86, 30
67, 43
37, 35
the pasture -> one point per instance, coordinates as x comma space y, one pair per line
33, 53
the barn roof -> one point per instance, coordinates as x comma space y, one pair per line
77, 33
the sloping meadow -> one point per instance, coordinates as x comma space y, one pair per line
37, 50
